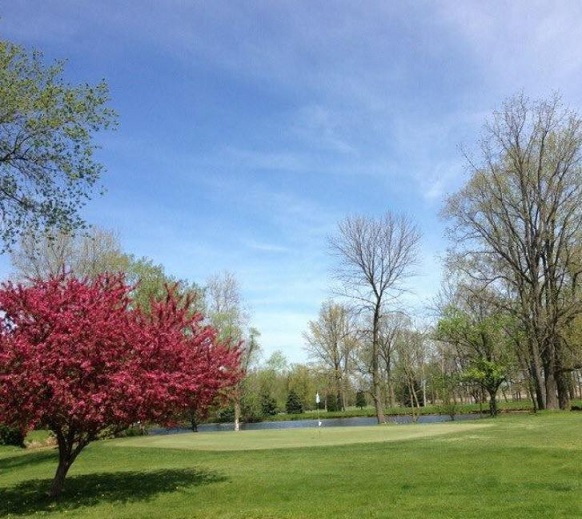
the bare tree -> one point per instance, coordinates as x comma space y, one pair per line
330, 341
410, 350
374, 258
229, 315
225, 306
516, 226
41, 255
392, 326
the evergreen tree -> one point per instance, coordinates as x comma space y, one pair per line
294, 405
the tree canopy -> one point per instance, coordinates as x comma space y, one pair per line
77, 358
516, 228
47, 126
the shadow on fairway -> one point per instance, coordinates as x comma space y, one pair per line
91, 489
26, 460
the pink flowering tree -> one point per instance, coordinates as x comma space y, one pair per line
78, 359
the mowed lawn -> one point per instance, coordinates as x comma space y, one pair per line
514, 466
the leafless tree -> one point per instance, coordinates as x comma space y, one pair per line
330, 341
392, 326
228, 313
374, 259
410, 349
41, 255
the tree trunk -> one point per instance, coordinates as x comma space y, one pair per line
237, 414
536, 376
338, 386
376, 382
377, 395
391, 394
59, 479
563, 387
68, 452
493, 403
551, 386
531, 390
413, 400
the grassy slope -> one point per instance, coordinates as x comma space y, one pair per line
515, 466
370, 411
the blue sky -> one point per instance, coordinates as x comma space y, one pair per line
249, 129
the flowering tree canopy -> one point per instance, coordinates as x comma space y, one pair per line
78, 359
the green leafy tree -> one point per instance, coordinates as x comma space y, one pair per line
489, 375
47, 166
272, 378
303, 380
151, 281
516, 227
268, 405
332, 404
361, 399
482, 344
294, 404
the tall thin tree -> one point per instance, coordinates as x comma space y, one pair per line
373, 259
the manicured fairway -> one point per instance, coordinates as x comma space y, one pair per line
294, 438
519, 466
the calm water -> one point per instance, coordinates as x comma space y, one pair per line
328, 422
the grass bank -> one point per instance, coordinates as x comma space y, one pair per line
513, 466
510, 406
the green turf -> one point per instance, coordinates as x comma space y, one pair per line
515, 466
295, 438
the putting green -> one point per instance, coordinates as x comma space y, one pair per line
296, 438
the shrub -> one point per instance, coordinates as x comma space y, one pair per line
225, 415
11, 436
332, 403
361, 399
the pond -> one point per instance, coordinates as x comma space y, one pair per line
325, 422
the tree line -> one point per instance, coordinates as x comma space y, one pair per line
510, 309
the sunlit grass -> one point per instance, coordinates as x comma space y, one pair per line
296, 438
524, 466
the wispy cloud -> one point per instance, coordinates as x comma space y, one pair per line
267, 247
249, 129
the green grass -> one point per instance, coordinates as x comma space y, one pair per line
514, 466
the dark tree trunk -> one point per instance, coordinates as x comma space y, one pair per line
551, 387
378, 404
536, 375
493, 403
59, 479
69, 448
563, 387
377, 389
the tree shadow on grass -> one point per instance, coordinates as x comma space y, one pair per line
88, 490
27, 459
